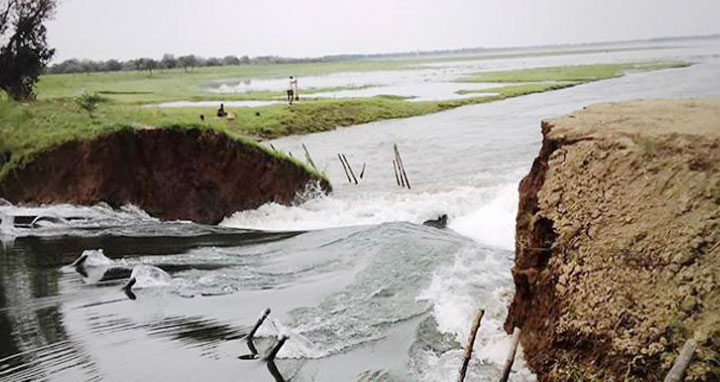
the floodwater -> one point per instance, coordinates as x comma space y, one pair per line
362, 289
420, 84
438, 80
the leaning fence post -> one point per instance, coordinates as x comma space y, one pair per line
344, 168
403, 174
681, 363
273, 353
470, 344
259, 322
511, 355
308, 158
350, 168
397, 179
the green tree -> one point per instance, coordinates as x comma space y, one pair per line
189, 61
24, 53
169, 61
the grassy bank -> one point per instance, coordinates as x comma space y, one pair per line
27, 129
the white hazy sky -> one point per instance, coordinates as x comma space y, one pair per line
123, 29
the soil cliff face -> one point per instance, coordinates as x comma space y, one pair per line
173, 174
618, 243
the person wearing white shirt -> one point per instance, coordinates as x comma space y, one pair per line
292, 91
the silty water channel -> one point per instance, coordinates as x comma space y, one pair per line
362, 289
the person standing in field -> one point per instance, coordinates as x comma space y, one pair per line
295, 89
292, 90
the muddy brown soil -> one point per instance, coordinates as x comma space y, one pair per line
173, 174
618, 243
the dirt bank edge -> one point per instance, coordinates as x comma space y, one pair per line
617, 257
173, 173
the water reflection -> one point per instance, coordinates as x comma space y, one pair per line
33, 341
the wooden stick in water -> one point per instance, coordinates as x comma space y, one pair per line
258, 323
681, 363
470, 344
308, 158
350, 168
511, 355
362, 172
344, 168
273, 353
402, 167
397, 158
397, 179
399, 169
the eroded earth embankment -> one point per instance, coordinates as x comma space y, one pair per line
618, 243
171, 173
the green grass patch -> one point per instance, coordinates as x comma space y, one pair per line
178, 85
523, 89
581, 73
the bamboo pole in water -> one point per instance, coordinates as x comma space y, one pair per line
397, 179
403, 174
273, 353
344, 168
681, 363
350, 168
258, 323
511, 355
399, 168
470, 344
308, 158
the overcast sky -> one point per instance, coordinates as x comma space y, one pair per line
103, 29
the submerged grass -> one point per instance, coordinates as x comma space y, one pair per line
580, 73
522, 89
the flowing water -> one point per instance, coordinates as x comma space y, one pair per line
363, 290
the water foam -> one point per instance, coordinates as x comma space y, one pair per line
479, 278
365, 209
492, 224
53, 219
148, 276
95, 258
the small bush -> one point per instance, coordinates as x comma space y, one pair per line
89, 102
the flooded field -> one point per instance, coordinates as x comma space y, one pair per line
364, 291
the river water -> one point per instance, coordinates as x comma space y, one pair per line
363, 290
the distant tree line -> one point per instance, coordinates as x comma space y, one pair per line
190, 62
169, 61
